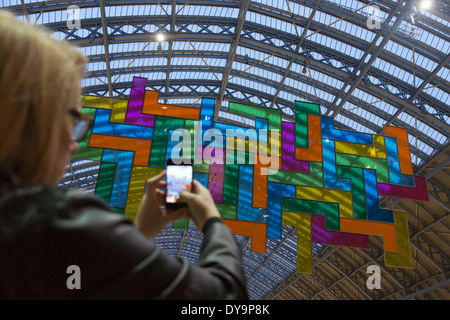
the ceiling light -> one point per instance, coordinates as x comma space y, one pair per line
425, 4
159, 48
160, 37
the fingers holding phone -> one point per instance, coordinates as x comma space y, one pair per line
201, 204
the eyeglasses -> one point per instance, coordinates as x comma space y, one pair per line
82, 124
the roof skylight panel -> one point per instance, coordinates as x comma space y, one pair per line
353, 30
303, 84
280, 5
149, 74
138, 62
323, 95
182, 102
197, 61
217, 46
361, 112
260, 72
418, 144
198, 47
289, 96
29, 1
300, 84
434, 41
409, 55
236, 118
256, 286
356, 126
365, 96
254, 85
416, 160
424, 62
95, 66
197, 75
252, 54
444, 73
280, 63
322, 77
93, 50
299, 9
265, 2
337, 45
350, 5
271, 22
127, 47
280, 267
93, 81
408, 119
48, 17
181, 46
423, 128
6, 3
45, 17
400, 73
250, 263
213, 11
239, 67
435, 18
268, 276
437, 93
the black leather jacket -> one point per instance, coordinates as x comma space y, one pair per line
43, 232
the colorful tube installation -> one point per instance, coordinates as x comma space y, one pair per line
324, 181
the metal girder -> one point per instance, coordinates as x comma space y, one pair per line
393, 99
273, 251
329, 7
170, 50
291, 280
347, 272
421, 87
374, 254
420, 242
377, 91
297, 49
237, 35
424, 291
106, 44
360, 71
357, 19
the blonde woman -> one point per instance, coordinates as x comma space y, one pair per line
46, 235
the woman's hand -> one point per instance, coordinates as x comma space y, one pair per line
201, 204
150, 219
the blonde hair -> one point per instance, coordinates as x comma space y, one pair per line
39, 79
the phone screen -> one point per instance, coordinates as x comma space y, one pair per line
178, 178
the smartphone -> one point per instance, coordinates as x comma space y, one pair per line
178, 178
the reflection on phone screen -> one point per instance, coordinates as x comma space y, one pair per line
178, 178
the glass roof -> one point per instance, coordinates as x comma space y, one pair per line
263, 55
